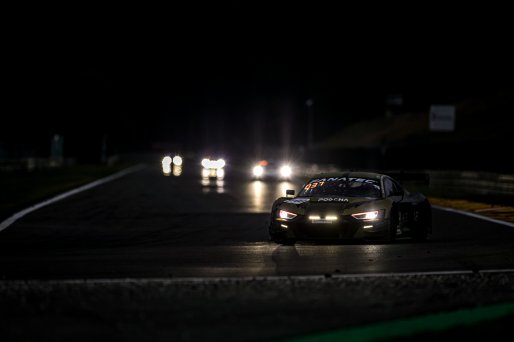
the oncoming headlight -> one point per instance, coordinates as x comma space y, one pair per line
220, 163
258, 171
369, 215
177, 160
166, 160
286, 215
285, 171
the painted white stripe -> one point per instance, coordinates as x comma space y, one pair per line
6, 223
258, 278
481, 217
508, 270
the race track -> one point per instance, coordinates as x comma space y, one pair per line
150, 225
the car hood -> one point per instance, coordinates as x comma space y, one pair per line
332, 204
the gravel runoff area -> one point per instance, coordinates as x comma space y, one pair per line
232, 309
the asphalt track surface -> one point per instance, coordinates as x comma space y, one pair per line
160, 258
148, 225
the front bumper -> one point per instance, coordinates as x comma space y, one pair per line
345, 227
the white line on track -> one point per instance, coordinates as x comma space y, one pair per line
481, 217
6, 223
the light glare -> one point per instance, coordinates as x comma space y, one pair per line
258, 171
166, 160
285, 171
286, 215
367, 216
177, 160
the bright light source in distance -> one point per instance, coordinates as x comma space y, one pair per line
166, 169
367, 227
177, 170
331, 218
368, 216
283, 226
213, 164
285, 171
177, 160
166, 160
220, 173
220, 163
205, 173
286, 215
258, 171
314, 217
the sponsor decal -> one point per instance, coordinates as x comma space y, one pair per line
299, 200
333, 199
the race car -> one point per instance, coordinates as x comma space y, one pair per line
213, 169
267, 169
350, 205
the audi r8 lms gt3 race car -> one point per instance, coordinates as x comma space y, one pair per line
353, 205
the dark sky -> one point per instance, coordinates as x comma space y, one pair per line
240, 71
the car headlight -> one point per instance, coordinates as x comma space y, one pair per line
177, 160
369, 215
285, 171
220, 173
205, 173
166, 161
286, 215
220, 163
258, 171
206, 163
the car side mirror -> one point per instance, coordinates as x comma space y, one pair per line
289, 193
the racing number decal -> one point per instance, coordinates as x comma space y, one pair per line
313, 185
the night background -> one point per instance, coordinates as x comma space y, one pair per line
148, 158
238, 85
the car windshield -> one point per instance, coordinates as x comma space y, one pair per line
342, 186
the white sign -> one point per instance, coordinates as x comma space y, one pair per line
442, 118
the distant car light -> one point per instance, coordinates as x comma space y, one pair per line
220, 173
286, 215
213, 164
286, 171
220, 163
258, 171
205, 173
166, 165
177, 160
177, 170
166, 160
